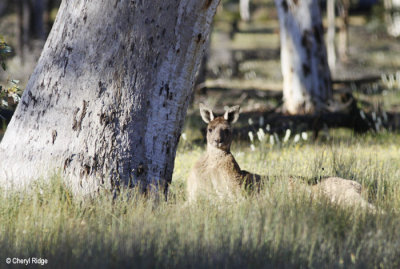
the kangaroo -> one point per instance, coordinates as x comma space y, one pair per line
217, 171
342, 191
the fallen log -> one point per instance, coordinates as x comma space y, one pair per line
277, 122
357, 81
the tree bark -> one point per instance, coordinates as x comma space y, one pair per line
306, 74
201, 75
108, 97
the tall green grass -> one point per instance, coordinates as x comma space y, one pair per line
276, 228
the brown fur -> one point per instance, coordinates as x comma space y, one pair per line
338, 190
217, 172
342, 191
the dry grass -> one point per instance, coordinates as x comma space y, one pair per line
275, 228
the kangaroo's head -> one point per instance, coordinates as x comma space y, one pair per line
219, 131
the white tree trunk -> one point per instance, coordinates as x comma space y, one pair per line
330, 37
392, 17
108, 97
245, 10
306, 75
343, 37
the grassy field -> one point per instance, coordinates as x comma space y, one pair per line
275, 228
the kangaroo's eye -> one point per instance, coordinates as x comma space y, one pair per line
209, 130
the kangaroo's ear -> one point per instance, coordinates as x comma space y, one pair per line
232, 114
206, 114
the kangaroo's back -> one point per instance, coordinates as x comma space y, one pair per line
217, 173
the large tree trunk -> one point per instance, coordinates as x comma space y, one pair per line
108, 97
306, 75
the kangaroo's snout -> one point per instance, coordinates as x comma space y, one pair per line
220, 137
219, 134
219, 140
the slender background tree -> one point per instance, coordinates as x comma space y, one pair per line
343, 37
392, 17
330, 36
245, 10
305, 70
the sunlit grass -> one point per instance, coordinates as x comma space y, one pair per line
248, 41
276, 228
